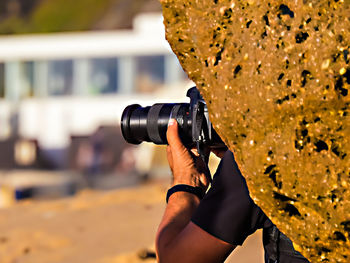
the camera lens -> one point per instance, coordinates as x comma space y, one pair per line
134, 123
150, 124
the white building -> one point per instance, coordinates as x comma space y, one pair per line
70, 83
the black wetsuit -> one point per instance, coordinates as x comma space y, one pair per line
228, 213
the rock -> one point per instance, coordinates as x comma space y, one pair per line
276, 79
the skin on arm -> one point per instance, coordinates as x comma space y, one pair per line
178, 239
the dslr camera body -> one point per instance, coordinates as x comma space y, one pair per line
150, 123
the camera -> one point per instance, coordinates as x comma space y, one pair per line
150, 123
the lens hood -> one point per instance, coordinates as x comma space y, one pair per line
125, 124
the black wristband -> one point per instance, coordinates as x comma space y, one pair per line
198, 191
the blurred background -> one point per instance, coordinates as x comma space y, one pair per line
67, 71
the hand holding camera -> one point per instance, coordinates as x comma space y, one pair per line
186, 165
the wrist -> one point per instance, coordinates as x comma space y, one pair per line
191, 191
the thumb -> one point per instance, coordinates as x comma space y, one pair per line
173, 136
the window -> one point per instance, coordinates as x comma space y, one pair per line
150, 73
60, 77
27, 77
103, 76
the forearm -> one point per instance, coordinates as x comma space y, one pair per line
178, 239
176, 217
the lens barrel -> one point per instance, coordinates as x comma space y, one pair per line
150, 123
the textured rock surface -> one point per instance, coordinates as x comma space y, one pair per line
276, 78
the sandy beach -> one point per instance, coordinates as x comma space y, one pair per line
117, 226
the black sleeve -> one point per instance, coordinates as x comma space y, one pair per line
227, 211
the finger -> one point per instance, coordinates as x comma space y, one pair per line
173, 136
180, 155
194, 151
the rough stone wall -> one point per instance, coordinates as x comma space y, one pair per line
276, 78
